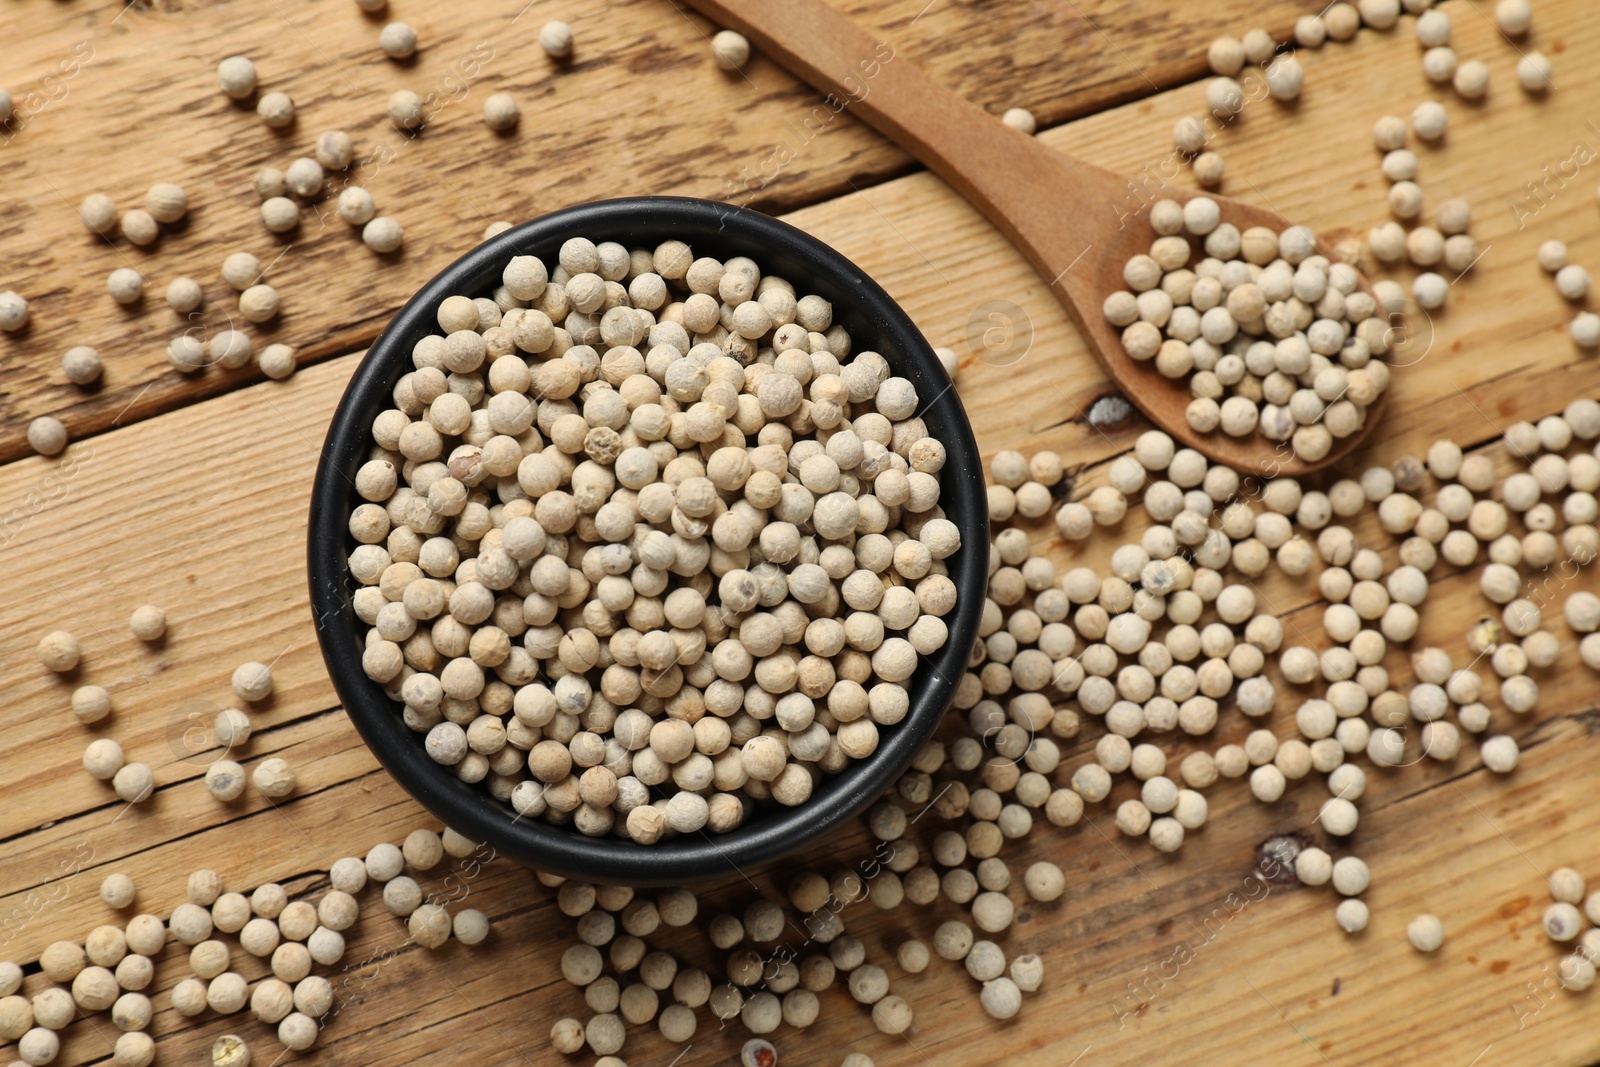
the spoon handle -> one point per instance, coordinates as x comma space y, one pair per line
1033, 195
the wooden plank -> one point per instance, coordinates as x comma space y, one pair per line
223, 555
107, 78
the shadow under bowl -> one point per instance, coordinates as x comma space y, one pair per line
874, 321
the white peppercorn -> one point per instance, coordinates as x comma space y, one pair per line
225, 780
382, 234
47, 436
230, 912
90, 703
189, 997
1567, 886
94, 989
1189, 135
53, 1008
556, 39
13, 311
1585, 329
1471, 79
1020, 118
226, 993
276, 361
1425, 932
16, 1013
131, 1011
145, 934
276, 110
398, 40
39, 1046
81, 365
230, 1051
333, 149
166, 202
98, 213
1576, 973
1351, 915
1226, 55
1499, 753
730, 49
1001, 999
1534, 72
116, 890
762, 1013
313, 996
279, 215
236, 76
1350, 876
429, 924
208, 959
1513, 16
259, 303
992, 912
500, 112
252, 682
356, 205
135, 973
1562, 921
1572, 281
273, 778
297, 1032
203, 887
1285, 77
134, 782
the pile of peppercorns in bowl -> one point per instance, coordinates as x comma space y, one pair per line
626, 558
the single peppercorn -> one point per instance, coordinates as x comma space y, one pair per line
398, 40
81, 365
500, 112
276, 110
730, 49
556, 39
236, 76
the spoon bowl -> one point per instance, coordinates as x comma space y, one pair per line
1165, 400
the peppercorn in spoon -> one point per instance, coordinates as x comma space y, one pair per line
1114, 261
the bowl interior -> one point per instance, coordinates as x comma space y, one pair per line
874, 321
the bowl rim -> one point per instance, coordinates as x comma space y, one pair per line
774, 831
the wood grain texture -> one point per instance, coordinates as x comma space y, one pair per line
115, 98
202, 510
1454, 840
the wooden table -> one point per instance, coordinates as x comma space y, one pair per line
191, 493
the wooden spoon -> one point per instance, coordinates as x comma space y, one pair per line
1077, 223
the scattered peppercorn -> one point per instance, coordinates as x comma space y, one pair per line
730, 49
556, 39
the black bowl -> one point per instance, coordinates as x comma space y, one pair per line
874, 321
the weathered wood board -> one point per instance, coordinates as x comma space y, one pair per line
202, 509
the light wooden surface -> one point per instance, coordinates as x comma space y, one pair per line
114, 99
202, 510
